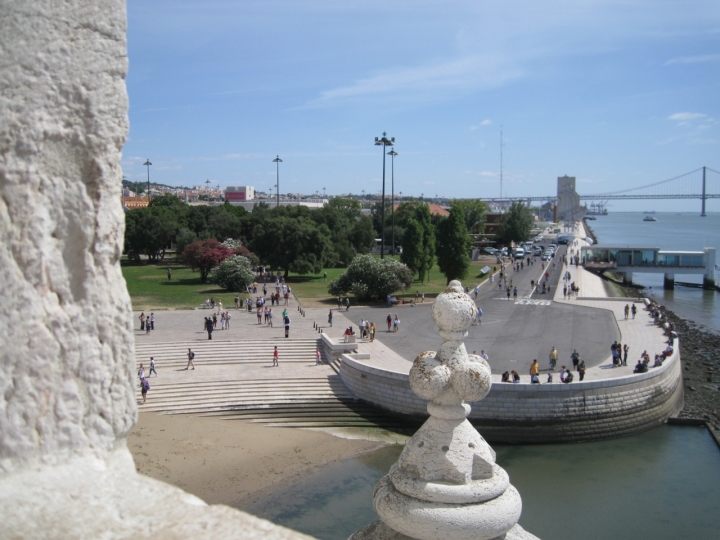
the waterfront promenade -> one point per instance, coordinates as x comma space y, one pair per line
234, 377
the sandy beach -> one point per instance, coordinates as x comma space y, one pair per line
232, 462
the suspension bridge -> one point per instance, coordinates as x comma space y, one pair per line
702, 183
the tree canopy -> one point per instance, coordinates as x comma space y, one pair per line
516, 224
453, 246
234, 273
371, 278
204, 255
473, 211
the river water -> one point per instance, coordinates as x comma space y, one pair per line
671, 231
661, 484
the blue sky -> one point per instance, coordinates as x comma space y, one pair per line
617, 93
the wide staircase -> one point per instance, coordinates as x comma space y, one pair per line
233, 380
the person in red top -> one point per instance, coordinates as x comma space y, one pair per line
276, 357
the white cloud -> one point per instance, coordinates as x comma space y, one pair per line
703, 58
485, 122
488, 173
685, 116
440, 81
429, 183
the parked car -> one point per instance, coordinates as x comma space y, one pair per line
519, 253
546, 257
490, 251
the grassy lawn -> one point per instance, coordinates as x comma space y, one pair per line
150, 289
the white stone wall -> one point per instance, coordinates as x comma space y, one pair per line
65, 383
526, 413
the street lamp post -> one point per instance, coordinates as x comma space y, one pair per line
392, 153
384, 142
277, 162
147, 164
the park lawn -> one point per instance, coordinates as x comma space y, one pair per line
311, 289
150, 289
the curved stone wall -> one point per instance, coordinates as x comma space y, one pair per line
527, 413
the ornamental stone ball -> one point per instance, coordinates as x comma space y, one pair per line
446, 484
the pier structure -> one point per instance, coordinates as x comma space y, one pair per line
627, 260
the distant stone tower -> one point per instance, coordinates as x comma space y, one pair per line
446, 484
569, 208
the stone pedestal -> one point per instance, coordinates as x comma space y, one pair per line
446, 484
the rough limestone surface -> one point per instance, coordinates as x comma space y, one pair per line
66, 383
446, 484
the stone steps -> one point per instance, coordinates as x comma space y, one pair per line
170, 355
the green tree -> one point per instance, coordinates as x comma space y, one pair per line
516, 224
412, 243
234, 273
149, 231
295, 244
371, 278
167, 199
453, 246
362, 235
184, 238
474, 211
427, 257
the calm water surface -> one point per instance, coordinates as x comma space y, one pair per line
685, 231
662, 484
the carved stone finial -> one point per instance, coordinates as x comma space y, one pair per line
446, 483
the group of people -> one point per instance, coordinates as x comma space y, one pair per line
144, 383
147, 323
619, 353
643, 364
367, 330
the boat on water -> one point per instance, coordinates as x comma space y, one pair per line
649, 218
591, 218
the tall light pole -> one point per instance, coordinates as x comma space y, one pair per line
392, 153
384, 142
323, 192
147, 164
277, 161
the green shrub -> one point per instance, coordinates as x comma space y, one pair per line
233, 274
370, 278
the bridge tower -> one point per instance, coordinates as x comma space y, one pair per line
702, 211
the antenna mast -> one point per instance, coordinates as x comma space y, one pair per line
501, 161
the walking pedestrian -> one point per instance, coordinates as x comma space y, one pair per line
581, 369
627, 311
347, 304
633, 309
318, 357
515, 293
169, 274
141, 372
276, 357
191, 357
144, 387
259, 313
152, 367
388, 319
209, 327
575, 357
330, 318
423, 297
553, 358
626, 349
372, 332
286, 322
396, 323
142, 321
227, 320
270, 318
